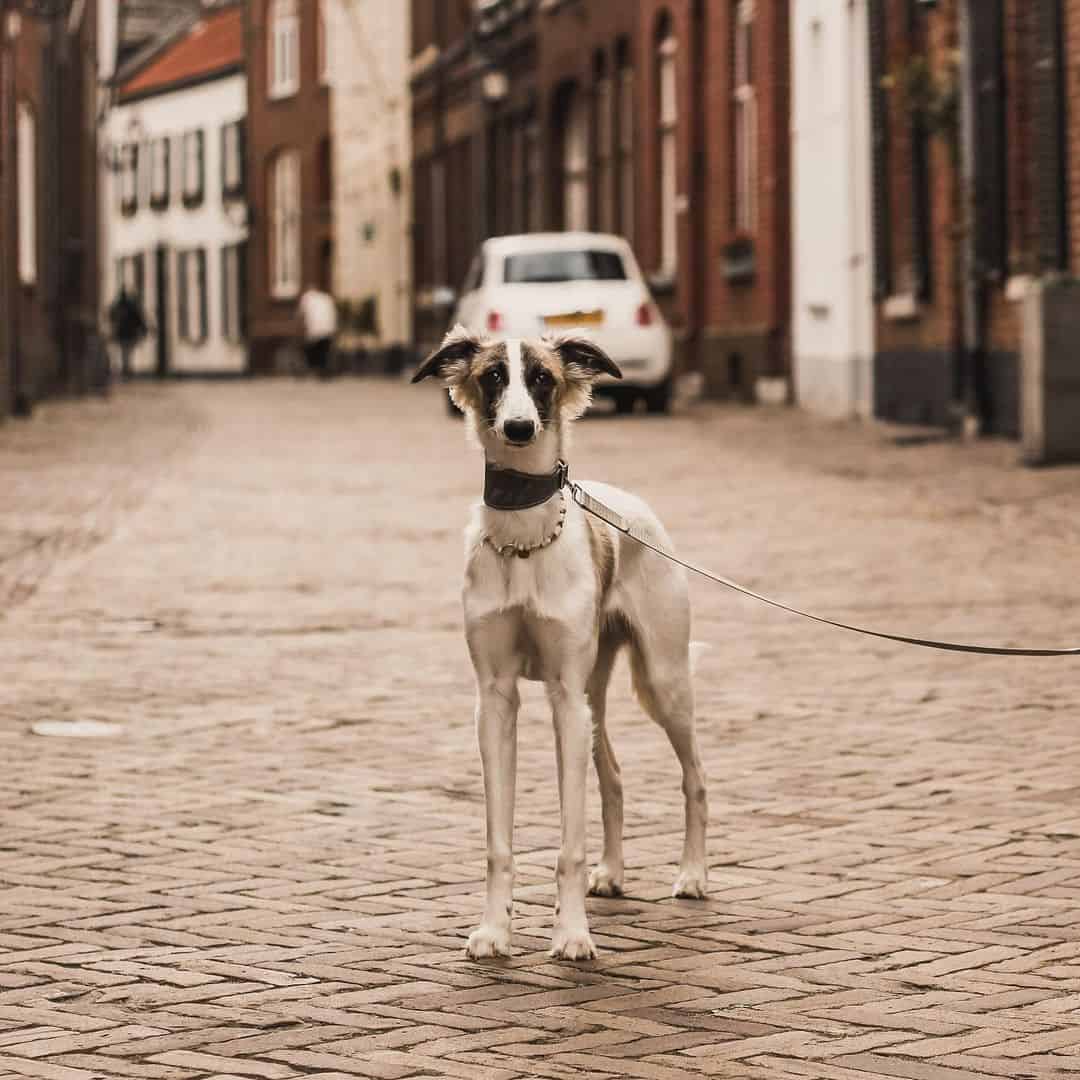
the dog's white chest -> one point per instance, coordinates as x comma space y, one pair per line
557, 582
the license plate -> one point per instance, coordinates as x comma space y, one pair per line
575, 318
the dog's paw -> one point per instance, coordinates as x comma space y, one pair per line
691, 885
602, 882
572, 945
486, 942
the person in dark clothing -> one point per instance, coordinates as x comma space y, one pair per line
128, 326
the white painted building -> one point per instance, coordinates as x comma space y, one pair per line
832, 264
371, 127
175, 205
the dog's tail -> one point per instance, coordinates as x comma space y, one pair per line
697, 650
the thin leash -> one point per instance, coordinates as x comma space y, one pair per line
617, 521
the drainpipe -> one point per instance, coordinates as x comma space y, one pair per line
9, 307
973, 299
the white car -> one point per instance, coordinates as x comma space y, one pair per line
536, 283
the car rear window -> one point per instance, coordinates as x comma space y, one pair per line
536, 267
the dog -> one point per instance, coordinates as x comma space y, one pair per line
553, 594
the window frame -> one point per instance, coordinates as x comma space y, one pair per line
745, 127
26, 179
575, 162
194, 148
283, 43
233, 311
286, 224
234, 190
128, 182
184, 325
624, 89
667, 131
160, 196
606, 209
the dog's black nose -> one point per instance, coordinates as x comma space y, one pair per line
519, 431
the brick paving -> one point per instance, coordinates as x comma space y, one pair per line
271, 869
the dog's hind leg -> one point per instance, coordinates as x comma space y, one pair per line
662, 683
607, 878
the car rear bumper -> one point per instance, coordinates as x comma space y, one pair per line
643, 355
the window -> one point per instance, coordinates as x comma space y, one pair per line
131, 276
626, 148
285, 224
323, 45
668, 132
233, 261
534, 211
193, 168
605, 151
325, 173
284, 39
159, 173
129, 179
232, 159
552, 267
744, 155
26, 179
192, 296
575, 163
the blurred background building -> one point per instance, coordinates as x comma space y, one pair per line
371, 132
867, 208
175, 201
49, 241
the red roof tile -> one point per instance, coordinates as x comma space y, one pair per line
215, 43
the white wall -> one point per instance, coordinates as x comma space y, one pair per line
371, 127
831, 245
208, 106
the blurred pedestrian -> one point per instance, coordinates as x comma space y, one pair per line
128, 326
318, 313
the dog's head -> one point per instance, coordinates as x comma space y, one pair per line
515, 390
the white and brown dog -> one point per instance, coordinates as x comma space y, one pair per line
552, 594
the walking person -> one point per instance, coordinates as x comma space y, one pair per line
128, 326
318, 313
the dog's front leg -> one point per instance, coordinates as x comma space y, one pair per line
491, 642
571, 939
496, 727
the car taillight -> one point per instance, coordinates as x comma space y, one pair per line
645, 314
494, 321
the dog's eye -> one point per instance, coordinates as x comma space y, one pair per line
542, 377
493, 376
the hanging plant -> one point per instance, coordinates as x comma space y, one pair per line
930, 97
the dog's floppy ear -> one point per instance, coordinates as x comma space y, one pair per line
583, 357
451, 360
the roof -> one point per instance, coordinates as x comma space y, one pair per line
552, 241
141, 22
213, 45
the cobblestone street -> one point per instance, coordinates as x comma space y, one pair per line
270, 869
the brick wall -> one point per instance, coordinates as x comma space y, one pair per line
300, 122
921, 360
50, 335
736, 331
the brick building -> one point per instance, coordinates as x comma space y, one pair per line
48, 194
663, 120
289, 158
523, 120
713, 162
975, 166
